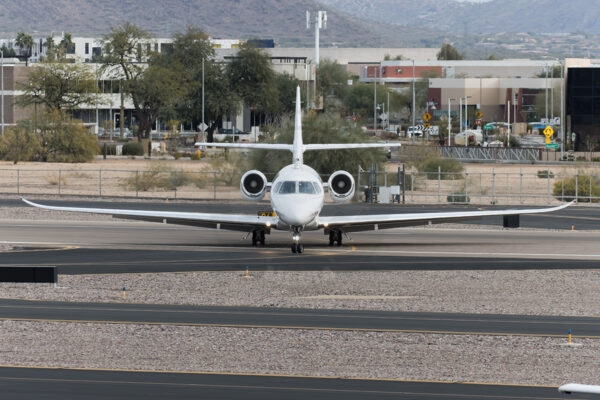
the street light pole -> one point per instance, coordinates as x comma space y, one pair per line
449, 122
375, 100
2, 87
562, 111
413, 98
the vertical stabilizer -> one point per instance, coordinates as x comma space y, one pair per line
298, 146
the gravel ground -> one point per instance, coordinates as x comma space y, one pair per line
358, 354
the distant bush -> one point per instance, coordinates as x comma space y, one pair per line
583, 187
133, 149
448, 168
458, 198
545, 174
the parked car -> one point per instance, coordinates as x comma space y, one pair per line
414, 131
474, 138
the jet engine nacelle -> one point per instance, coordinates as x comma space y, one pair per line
341, 186
253, 185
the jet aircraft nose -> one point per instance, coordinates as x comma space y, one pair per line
299, 212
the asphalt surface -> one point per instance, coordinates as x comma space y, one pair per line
446, 323
82, 248
34, 383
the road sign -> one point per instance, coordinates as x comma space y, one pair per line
426, 117
548, 131
426, 125
478, 114
552, 146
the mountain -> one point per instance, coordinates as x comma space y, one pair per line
281, 20
484, 29
494, 16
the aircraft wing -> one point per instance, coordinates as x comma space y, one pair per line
579, 388
236, 222
357, 223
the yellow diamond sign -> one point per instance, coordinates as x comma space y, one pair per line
426, 117
548, 131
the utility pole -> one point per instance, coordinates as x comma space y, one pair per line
320, 23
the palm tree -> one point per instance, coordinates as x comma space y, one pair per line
66, 45
50, 48
25, 43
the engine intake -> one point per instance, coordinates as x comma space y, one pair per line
341, 186
253, 185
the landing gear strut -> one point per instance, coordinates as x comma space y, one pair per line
258, 238
335, 237
297, 247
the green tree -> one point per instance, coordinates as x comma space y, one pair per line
194, 57
332, 82
19, 143
51, 49
286, 90
157, 89
449, 52
252, 77
25, 43
320, 128
65, 140
124, 49
58, 86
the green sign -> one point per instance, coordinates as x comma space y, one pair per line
552, 146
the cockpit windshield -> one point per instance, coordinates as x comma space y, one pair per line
290, 187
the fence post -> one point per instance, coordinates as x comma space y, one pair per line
137, 181
576, 183
439, 183
466, 185
100, 182
214, 185
548, 177
494, 200
19, 182
59, 177
521, 185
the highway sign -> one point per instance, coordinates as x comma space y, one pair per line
426, 117
552, 146
548, 131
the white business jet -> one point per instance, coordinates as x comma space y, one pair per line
297, 197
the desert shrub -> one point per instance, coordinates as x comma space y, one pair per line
448, 167
583, 187
133, 149
545, 174
458, 198
108, 149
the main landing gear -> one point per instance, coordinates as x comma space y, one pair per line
335, 237
258, 238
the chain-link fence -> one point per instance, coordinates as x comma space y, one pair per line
535, 185
490, 185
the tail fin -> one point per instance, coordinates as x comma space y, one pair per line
298, 146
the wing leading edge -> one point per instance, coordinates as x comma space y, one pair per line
237, 222
357, 223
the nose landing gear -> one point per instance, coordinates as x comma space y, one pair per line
297, 247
